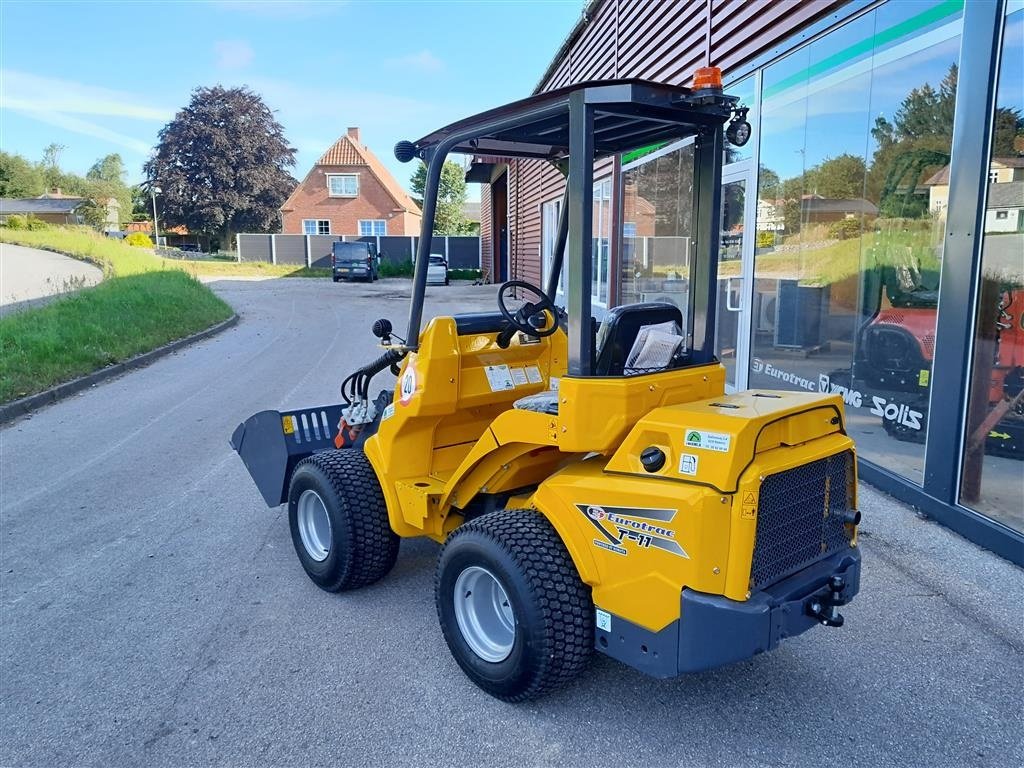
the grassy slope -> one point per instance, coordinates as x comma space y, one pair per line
120, 318
140, 306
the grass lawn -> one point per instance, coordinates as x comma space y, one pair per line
142, 304
116, 258
246, 269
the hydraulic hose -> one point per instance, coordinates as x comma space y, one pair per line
357, 385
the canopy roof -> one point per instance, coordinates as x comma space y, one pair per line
627, 114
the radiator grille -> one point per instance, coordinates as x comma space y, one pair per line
800, 517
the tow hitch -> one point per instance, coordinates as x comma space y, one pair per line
825, 608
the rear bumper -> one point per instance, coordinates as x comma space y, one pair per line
351, 271
713, 630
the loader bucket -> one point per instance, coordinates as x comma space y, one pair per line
271, 443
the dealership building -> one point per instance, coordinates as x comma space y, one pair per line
872, 239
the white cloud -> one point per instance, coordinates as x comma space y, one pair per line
341, 106
233, 54
423, 61
63, 103
33, 93
88, 128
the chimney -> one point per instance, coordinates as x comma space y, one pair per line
353, 133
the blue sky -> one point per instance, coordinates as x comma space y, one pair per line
107, 76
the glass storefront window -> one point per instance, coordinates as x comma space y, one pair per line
991, 481
856, 133
657, 217
745, 90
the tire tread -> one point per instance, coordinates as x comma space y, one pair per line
565, 601
374, 546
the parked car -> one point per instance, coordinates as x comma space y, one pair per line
355, 259
437, 270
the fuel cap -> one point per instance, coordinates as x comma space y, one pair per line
652, 458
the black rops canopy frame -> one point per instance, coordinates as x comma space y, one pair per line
571, 127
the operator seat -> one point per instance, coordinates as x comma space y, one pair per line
614, 341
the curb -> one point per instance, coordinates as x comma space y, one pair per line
17, 408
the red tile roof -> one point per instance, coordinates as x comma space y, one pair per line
342, 152
348, 151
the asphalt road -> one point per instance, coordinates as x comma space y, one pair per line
154, 613
28, 275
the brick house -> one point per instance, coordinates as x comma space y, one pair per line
54, 207
350, 192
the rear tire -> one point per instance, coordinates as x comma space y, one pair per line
530, 628
339, 521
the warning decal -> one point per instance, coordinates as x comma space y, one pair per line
749, 511
499, 378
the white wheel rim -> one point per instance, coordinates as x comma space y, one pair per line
484, 614
314, 525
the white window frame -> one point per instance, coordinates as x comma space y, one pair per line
371, 229
315, 226
602, 237
354, 177
549, 212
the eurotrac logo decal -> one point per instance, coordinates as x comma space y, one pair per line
637, 525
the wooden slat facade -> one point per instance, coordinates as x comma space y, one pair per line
662, 40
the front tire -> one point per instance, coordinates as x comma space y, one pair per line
339, 521
513, 610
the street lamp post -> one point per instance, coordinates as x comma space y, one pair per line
154, 191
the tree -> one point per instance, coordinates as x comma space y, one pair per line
19, 177
221, 165
840, 178
105, 181
55, 178
921, 127
142, 209
769, 184
109, 168
51, 164
451, 197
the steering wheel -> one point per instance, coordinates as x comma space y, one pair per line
520, 319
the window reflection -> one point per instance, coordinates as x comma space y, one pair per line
856, 130
991, 481
657, 213
602, 224
549, 233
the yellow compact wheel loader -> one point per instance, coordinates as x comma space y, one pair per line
593, 485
